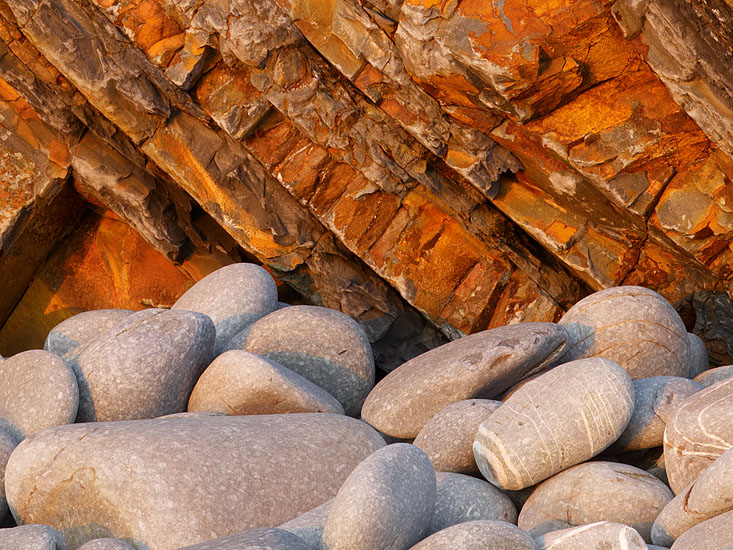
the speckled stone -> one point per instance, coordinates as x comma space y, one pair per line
82, 328
604, 535
478, 535
631, 325
232, 297
179, 481
386, 503
592, 492
325, 346
309, 526
713, 376
8, 442
697, 433
257, 539
481, 365
37, 391
31, 537
462, 498
106, 544
146, 366
713, 534
239, 382
448, 437
699, 361
563, 418
655, 399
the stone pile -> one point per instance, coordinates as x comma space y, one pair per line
233, 422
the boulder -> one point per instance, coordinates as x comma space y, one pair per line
257, 539
604, 534
713, 534
32, 537
478, 535
713, 376
82, 328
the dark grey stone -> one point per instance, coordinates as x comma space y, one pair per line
309, 526
32, 537
699, 361
478, 535
82, 328
257, 539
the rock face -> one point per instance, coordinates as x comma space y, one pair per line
180, 481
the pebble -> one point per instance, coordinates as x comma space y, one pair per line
480, 365
37, 391
32, 537
631, 325
562, 418
699, 361
82, 328
448, 437
173, 482
232, 297
8, 442
325, 346
239, 382
386, 503
603, 535
713, 376
309, 526
478, 535
257, 539
713, 534
106, 544
146, 366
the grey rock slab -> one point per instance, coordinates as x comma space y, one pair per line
38, 390
239, 382
106, 544
325, 346
697, 433
8, 442
655, 399
386, 503
82, 328
462, 498
631, 325
481, 365
32, 537
604, 535
309, 526
167, 483
713, 534
257, 539
593, 492
713, 376
448, 437
699, 361
232, 297
562, 418
478, 535
146, 366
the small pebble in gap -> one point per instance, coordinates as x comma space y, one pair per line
309, 526
82, 328
478, 535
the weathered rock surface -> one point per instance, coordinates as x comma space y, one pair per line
713, 376
180, 481
605, 534
715, 533
475, 535
106, 544
32, 537
562, 418
257, 539
82, 328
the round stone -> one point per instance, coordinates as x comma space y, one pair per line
699, 361
713, 534
257, 539
82, 328
32, 537
605, 535
106, 544
713, 376
478, 535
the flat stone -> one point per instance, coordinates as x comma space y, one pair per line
257, 539
37, 391
481, 365
309, 526
179, 481
478, 535
713, 376
239, 382
462, 498
655, 399
448, 437
604, 534
593, 492
697, 433
323, 345
631, 325
106, 544
562, 418
699, 361
82, 328
32, 537
713, 534
386, 503
8, 442
233, 297
146, 366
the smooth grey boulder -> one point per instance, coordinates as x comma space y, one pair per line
386, 503
146, 366
82, 328
233, 297
173, 482
713, 534
481, 365
562, 418
37, 391
713, 376
239, 382
238, 341
309, 526
462, 498
8, 442
32, 537
593, 492
448, 437
699, 361
478, 535
631, 325
106, 544
655, 399
697, 433
325, 346
257, 539
603, 535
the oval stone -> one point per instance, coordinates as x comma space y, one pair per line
325, 346
239, 382
32, 537
233, 297
605, 535
309, 526
257, 539
171, 482
82, 328
699, 361
478, 535
713, 534
106, 544
146, 366
481, 365
448, 437
562, 418
631, 325
593, 492
386, 503
713, 376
